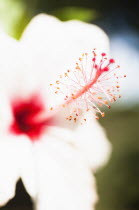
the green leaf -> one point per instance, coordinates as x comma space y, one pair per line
13, 17
78, 13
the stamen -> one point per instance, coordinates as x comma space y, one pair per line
92, 83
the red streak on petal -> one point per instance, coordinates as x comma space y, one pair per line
27, 117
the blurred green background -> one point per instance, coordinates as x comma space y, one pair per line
118, 182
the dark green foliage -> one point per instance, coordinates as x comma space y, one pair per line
118, 182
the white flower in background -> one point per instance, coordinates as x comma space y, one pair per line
54, 158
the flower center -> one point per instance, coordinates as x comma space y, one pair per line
28, 117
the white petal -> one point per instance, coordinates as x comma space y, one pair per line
10, 63
16, 161
64, 179
47, 31
89, 139
28, 171
93, 143
9, 170
51, 47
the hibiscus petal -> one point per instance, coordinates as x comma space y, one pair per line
51, 47
64, 179
15, 162
46, 33
10, 62
28, 171
9, 173
89, 139
93, 143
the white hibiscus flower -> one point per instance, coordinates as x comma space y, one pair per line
54, 158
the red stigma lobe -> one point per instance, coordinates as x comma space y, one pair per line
26, 117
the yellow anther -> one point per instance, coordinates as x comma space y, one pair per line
78, 67
105, 102
103, 114
97, 117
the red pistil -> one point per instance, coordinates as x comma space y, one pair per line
27, 119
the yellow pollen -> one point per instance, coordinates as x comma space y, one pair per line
78, 67
103, 114
105, 102
73, 96
99, 97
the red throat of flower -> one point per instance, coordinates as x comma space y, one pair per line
27, 119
